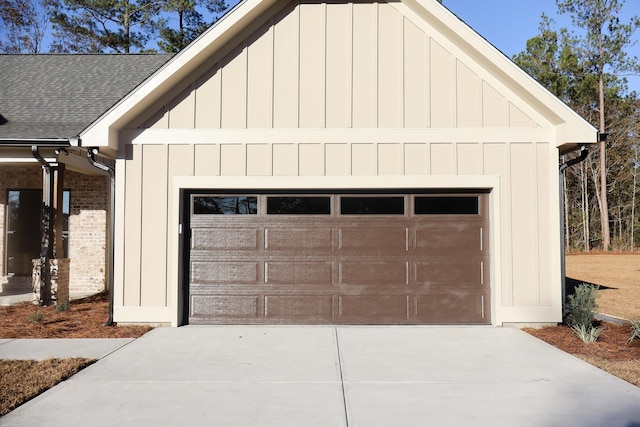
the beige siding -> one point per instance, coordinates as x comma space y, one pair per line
154, 219
133, 225
339, 63
525, 209
361, 65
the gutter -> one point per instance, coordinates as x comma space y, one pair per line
91, 156
584, 152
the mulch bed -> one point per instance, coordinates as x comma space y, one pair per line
84, 318
611, 345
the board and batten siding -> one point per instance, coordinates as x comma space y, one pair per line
526, 210
330, 93
350, 65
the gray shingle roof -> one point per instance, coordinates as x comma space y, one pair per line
57, 96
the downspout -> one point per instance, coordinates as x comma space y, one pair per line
47, 229
91, 156
584, 152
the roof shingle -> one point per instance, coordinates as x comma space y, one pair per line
57, 96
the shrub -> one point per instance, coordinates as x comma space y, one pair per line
587, 333
62, 306
635, 330
36, 317
582, 306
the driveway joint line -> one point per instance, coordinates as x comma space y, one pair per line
344, 394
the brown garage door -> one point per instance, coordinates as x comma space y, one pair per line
339, 258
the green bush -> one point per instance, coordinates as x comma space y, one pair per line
36, 317
64, 306
582, 306
587, 333
635, 330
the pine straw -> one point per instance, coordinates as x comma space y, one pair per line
611, 352
22, 380
84, 319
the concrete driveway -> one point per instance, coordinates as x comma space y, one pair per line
335, 376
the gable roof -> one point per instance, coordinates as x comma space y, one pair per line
568, 127
47, 96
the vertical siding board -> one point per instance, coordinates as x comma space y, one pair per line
285, 68
234, 89
469, 159
133, 225
443, 159
311, 159
206, 160
390, 159
365, 65
208, 100
443, 95
233, 160
154, 219
416, 77
495, 112
517, 118
525, 227
181, 163
363, 159
285, 159
312, 65
496, 162
337, 159
547, 222
417, 159
182, 113
339, 65
260, 79
390, 68
258, 160
469, 97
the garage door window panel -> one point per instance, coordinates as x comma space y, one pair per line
225, 205
447, 205
298, 205
372, 205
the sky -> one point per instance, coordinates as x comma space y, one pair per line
508, 24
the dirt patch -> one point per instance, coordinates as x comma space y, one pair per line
22, 380
618, 275
85, 318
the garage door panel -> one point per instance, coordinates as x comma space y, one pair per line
368, 239
449, 237
373, 308
374, 273
230, 307
221, 238
299, 273
340, 267
299, 307
449, 272
241, 272
452, 306
297, 239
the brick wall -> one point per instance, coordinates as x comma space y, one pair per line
87, 226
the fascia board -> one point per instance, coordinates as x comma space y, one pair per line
104, 131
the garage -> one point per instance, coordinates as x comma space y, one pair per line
348, 258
